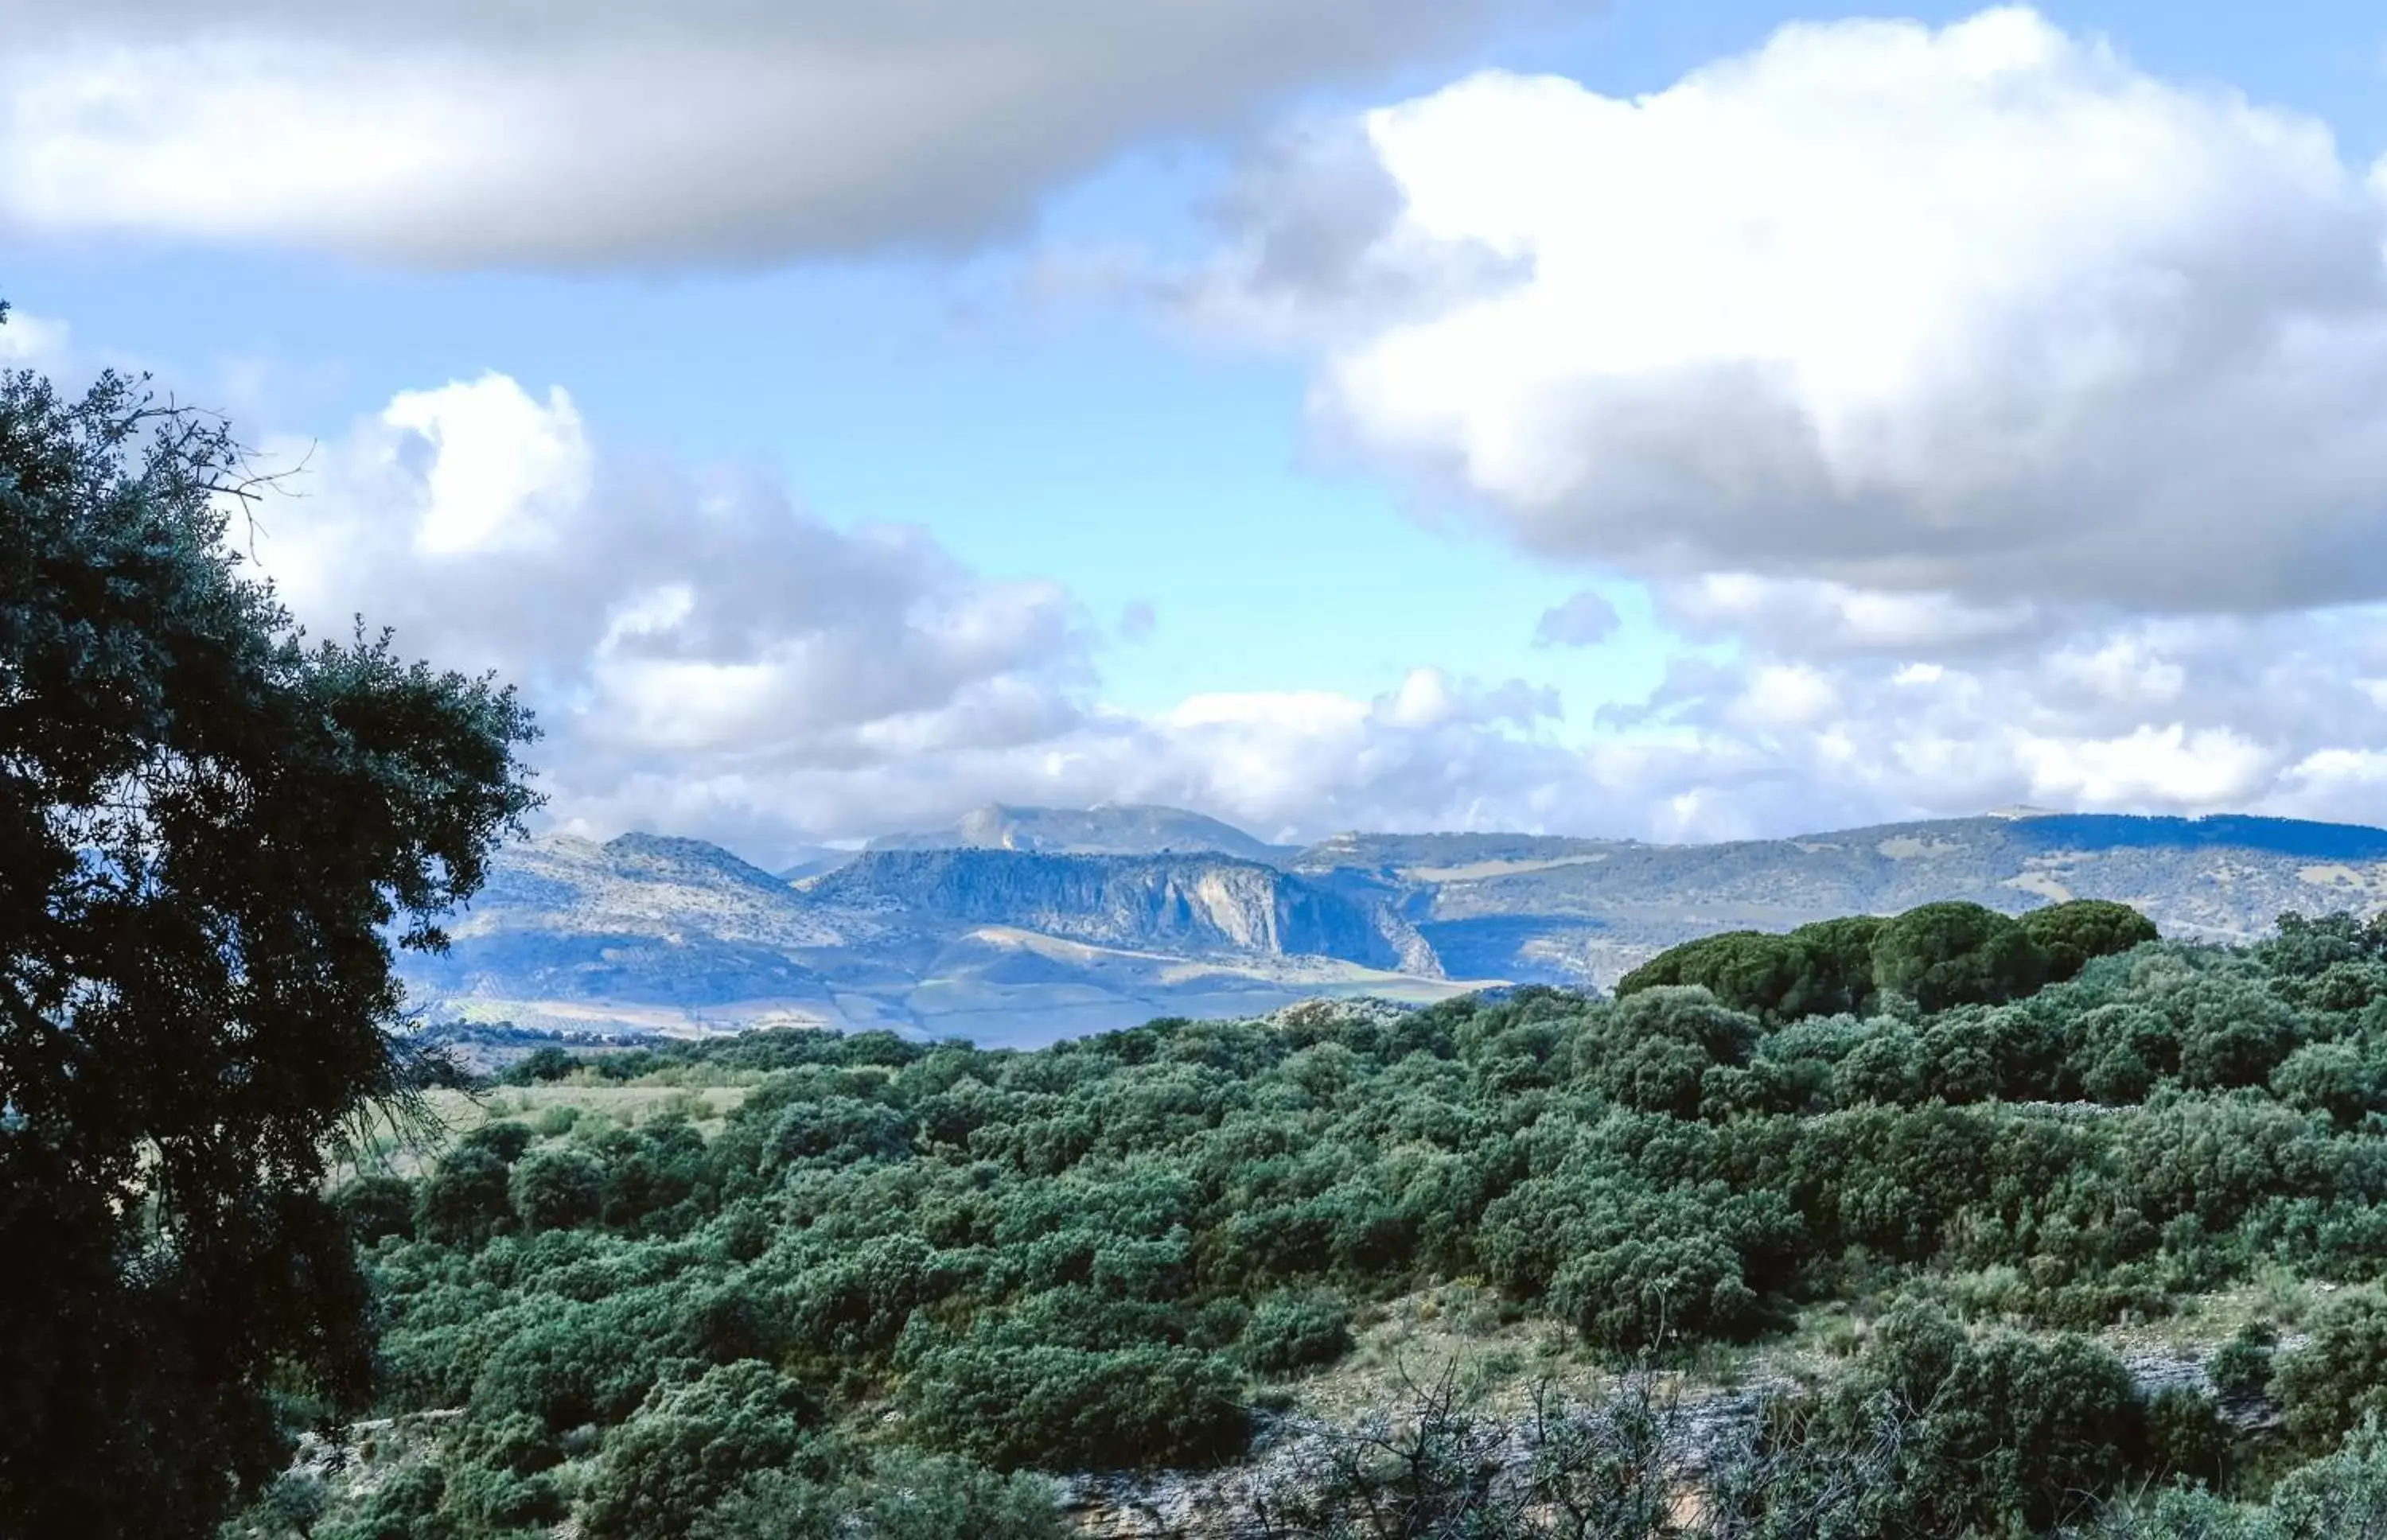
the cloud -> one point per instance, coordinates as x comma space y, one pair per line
32, 341
1585, 620
1982, 315
667, 623
513, 133
1989, 420
2198, 714
709, 658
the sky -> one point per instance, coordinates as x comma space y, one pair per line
1683, 421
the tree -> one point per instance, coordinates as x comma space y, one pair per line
2071, 933
1814, 970
1957, 953
212, 834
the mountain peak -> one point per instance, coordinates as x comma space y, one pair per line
1107, 829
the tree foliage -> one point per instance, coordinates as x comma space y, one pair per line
1938, 955
212, 833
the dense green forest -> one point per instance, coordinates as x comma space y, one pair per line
894, 1282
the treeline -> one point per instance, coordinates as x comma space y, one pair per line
1936, 956
900, 1276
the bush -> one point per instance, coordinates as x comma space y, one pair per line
2071, 934
1064, 1408
1291, 1332
556, 1190
690, 1446
2328, 1386
2346, 1081
376, 1207
464, 1201
1815, 970
2240, 1369
406, 1507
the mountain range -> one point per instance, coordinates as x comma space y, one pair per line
1020, 925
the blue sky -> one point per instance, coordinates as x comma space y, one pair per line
1037, 391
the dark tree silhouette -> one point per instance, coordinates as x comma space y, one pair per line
212, 836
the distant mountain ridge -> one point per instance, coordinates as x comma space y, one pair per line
1007, 927
1197, 904
1107, 829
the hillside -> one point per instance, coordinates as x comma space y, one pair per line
1025, 924
2009, 1267
1591, 915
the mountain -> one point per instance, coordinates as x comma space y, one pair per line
645, 933
1107, 829
1009, 929
1594, 911
1206, 905
812, 860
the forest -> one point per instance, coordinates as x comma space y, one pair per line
825, 1285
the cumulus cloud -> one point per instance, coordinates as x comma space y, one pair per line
1990, 419
709, 658
665, 622
465, 132
1980, 313
1585, 620
2275, 714
1818, 616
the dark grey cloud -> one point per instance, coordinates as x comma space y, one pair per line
520, 133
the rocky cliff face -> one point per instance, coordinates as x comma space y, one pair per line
1190, 904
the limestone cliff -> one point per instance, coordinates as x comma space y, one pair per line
1189, 903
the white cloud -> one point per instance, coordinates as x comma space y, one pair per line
1784, 696
514, 133
502, 465
710, 659
1981, 314
1995, 420
2168, 767
32, 341
665, 623
1816, 616
1584, 620
2195, 715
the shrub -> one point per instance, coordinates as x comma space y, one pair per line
375, 1207
556, 1190
2329, 1386
2070, 934
2240, 1369
690, 1446
464, 1201
1291, 1332
1065, 1408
